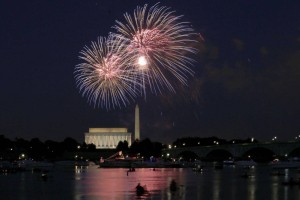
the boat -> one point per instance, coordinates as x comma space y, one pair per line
121, 163
245, 163
228, 162
284, 164
118, 160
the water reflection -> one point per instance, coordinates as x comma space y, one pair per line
91, 183
216, 185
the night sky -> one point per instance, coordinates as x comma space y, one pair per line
246, 82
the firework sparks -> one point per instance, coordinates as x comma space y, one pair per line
151, 50
158, 42
104, 77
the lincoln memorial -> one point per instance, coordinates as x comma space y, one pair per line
107, 138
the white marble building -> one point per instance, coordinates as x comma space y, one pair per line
107, 138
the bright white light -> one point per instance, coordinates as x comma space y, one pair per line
142, 62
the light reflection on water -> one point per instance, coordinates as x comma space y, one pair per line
99, 183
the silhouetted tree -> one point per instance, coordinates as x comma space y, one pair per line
70, 144
5, 143
91, 147
54, 150
37, 149
135, 148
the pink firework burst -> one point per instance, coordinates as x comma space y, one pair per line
105, 77
158, 44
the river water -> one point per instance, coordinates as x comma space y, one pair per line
93, 183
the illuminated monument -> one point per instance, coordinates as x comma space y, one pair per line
137, 123
107, 138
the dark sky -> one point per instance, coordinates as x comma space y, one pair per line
246, 82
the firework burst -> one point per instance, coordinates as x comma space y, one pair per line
105, 77
158, 44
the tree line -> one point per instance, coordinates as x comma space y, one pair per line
53, 150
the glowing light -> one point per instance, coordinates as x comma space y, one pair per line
142, 61
158, 39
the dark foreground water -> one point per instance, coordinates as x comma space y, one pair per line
94, 183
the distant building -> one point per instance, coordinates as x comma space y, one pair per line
107, 138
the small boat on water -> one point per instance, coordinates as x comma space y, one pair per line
284, 164
117, 163
117, 160
245, 163
228, 162
141, 191
240, 163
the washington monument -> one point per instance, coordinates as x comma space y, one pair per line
137, 123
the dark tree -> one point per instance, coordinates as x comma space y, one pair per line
70, 144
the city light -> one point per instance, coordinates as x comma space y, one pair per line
215, 142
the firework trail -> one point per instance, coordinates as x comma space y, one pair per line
105, 77
158, 44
